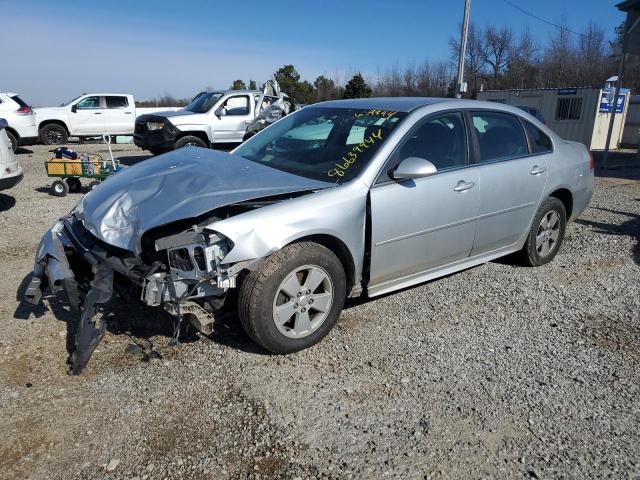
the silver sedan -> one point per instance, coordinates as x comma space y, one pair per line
344, 198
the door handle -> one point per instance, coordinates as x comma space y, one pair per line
462, 186
97, 113
536, 170
247, 122
127, 113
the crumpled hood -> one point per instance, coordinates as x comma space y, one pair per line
176, 113
178, 185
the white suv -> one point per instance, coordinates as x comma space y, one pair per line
21, 120
10, 171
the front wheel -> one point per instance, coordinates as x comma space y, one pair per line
190, 141
294, 298
546, 234
54, 134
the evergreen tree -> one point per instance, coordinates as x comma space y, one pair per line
357, 88
238, 85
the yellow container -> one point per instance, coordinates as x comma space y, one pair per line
56, 166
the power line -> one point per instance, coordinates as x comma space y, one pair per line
544, 20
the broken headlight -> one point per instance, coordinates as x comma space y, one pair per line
180, 259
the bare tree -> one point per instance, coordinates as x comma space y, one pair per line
496, 49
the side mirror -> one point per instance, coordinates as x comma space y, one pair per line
414, 167
74, 108
220, 112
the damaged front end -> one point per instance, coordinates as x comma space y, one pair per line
181, 272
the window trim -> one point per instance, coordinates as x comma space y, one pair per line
383, 176
476, 144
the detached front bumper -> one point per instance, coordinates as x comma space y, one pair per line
184, 276
52, 269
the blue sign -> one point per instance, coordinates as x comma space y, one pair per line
567, 91
606, 99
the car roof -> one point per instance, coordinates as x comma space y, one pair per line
9, 94
408, 104
397, 104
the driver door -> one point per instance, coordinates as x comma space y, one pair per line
421, 224
238, 113
88, 118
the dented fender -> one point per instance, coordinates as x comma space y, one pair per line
261, 232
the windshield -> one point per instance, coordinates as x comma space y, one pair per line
70, 101
203, 102
327, 144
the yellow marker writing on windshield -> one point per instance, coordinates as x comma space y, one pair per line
352, 156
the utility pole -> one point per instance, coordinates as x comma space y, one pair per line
461, 87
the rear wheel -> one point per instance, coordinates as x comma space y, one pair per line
54, 134
12, 140
294, 298
59, 188
190, 141
546, 234
74, 184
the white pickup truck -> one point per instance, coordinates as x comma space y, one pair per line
90, 115
220, 117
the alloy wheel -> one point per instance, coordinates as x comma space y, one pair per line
548, 233
303, 301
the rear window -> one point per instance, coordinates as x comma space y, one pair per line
117, 102
19, 101
540, 141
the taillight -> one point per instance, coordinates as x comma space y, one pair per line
24, 111
592, 163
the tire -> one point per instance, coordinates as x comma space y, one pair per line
12, 140
536, 253
190, 140
261, 293
59, 188
74, 184
93, 185
54, 134
157, 151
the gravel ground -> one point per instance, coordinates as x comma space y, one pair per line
496, 372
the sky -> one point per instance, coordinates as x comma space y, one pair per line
52, 51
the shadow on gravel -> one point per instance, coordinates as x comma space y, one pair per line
129, 160
622, 165
22, 150
6, 202
629, 228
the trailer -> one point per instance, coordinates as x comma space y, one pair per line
581, 114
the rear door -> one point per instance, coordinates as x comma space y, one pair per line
119, 115
88, 117
238, 113
512, 178
428, 222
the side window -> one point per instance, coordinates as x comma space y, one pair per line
441, 140
540, 140
89, 102
117, 102
237, 105
500, 136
